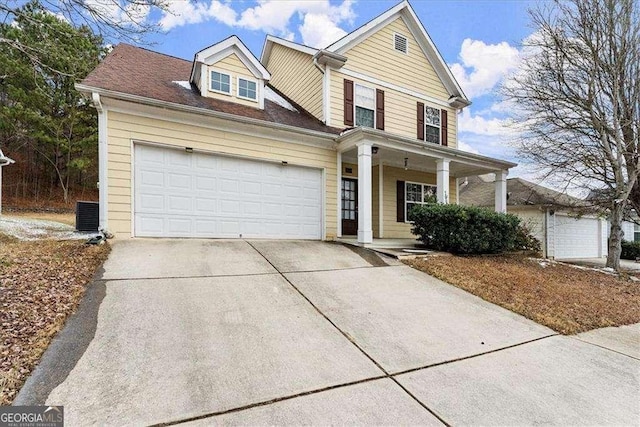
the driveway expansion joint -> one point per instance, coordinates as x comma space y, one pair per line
267, 402
350, 339
473, 356
605, 348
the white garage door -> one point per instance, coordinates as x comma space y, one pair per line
179, 194
576, 238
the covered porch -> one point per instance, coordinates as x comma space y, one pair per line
381, 177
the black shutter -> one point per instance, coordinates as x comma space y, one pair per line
443, 127
420, 113
379, 109
400, 201
348, 102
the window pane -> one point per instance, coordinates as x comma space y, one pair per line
432, 134
247, 89
413, 193
220, 82
364, 117
430, 194
432, 116
365, 97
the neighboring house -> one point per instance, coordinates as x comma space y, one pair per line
556, 219
303, 143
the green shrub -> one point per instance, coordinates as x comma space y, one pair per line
525, 241
630, 250
465, 229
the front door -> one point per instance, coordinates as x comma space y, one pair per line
349, 207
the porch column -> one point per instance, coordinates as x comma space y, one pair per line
501, 191
365, 230
339, 197
442, 180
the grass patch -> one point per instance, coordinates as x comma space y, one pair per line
41, 284
567, 299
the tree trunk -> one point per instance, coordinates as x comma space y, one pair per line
615, 237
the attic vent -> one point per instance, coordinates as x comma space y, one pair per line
400, 43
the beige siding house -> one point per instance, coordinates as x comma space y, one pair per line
302, 143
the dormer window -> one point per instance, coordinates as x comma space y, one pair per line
400, 43
221, 82
247, 89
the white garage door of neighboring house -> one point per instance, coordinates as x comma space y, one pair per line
180, 194
576, 237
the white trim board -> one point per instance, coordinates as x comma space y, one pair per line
268, 45
387, 85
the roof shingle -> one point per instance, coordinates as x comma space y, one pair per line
136, 71
521, 192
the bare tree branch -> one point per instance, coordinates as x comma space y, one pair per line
577, 93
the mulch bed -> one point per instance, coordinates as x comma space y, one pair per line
565, 298
41, 283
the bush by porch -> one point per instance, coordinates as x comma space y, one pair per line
469, 230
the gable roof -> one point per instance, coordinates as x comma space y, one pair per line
166, 79
270, 40
226, 47
406, 12
520, 192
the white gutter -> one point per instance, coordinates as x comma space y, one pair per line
201, 111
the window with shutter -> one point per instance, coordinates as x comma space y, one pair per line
379, 109
365, 102
444, 140
348, 102
420, 119
432, 123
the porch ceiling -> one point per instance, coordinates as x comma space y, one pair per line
393, 149
423, 163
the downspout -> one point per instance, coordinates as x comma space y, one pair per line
325, 89
315, 62
102, 163
546, 233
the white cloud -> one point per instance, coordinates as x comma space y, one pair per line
484, 126
484, 65
462, 145
319, 31
182, 12
320, 20
119, 12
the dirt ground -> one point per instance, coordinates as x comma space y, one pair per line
41, 284
566, 298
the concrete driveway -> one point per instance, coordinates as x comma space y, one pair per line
286, 332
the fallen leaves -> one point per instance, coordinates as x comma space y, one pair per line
566, 299
41, 283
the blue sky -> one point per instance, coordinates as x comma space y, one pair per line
478, 39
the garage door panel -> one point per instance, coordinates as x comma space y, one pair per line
179, 181
152, 202
576, 237
177, 226
178, 158
180, 194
